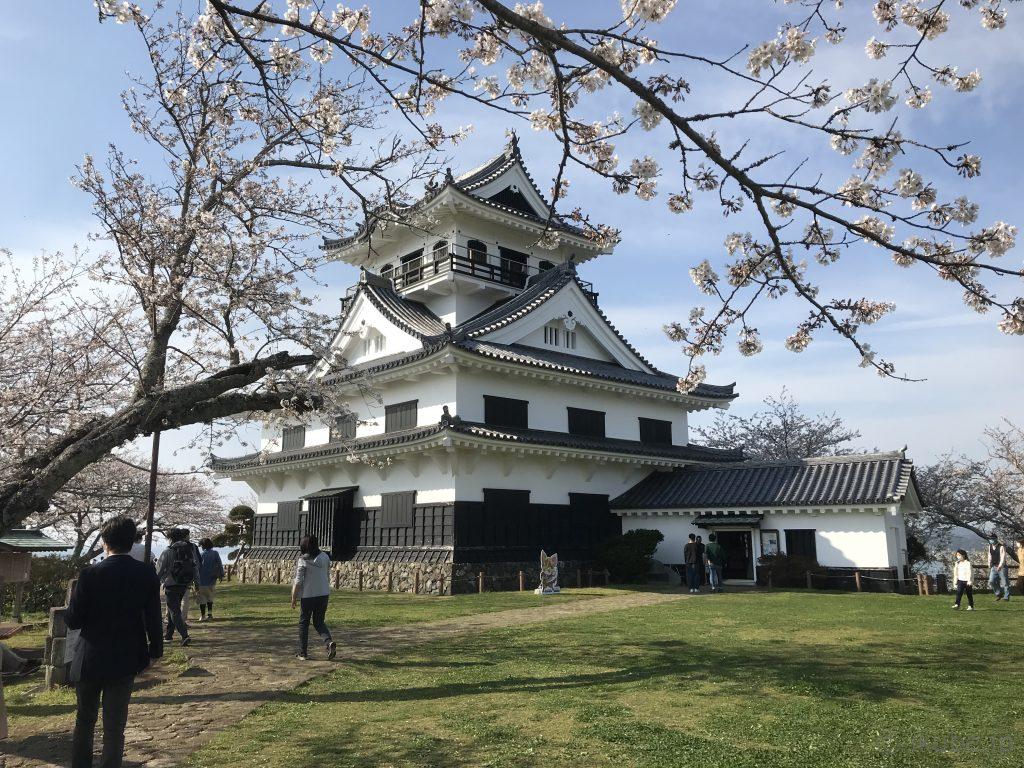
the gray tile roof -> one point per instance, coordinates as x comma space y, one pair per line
522, 436
585, 366
875, 478
468, 184
421, 323
411, 316
29, 540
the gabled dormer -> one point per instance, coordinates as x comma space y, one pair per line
470, 242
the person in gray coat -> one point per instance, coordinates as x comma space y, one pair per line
312, 589
178, 569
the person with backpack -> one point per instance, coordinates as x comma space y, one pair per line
714, 553
211, 569
178, 570
312, 589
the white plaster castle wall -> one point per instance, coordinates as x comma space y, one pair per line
549, 401
843, 539
530, 473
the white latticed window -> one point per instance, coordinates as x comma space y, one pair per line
551, 335
570, 339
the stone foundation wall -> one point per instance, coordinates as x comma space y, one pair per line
423, 578
414, 578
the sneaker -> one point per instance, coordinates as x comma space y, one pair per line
332, 650
186, 641
301, 657
998, 598
970, 607
956, 606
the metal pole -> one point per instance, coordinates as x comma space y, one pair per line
153, 471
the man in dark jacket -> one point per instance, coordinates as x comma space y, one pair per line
116, 605
692, 561
178, 571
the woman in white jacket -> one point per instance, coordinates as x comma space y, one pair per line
312, 589
964, 577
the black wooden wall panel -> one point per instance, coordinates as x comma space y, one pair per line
400, 416
583, 421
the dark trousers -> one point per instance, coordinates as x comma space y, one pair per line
693, 575
312, 609
115, 695
175, 620
961, 587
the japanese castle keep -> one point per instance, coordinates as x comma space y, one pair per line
497, 412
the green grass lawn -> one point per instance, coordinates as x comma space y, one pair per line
269, 605
778, 679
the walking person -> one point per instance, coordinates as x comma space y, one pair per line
116, 605
139, 548
186, 600
312, 589
691, 559
211, 569
714, 554
1020, 566
998, 569
963, 574
178, 571
702, 578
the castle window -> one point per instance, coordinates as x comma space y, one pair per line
655, 431
586, 423
374, 344
397, 510
801, 543
400, 416
288, 514
343, 428
477, 251
570, 339
440, 250
505, 412
552, 334
293, 438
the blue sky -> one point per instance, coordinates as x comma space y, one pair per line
61, 74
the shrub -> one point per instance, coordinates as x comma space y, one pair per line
786, 570
628, 557
47, 584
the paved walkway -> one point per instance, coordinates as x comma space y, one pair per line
174, 713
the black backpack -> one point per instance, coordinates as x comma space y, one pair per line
183, 566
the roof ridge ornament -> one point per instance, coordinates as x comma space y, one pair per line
512, 148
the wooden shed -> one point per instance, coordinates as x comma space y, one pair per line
16, 549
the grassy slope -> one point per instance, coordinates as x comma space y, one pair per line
268, 606
782, 679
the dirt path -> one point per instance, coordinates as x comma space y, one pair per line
173, 713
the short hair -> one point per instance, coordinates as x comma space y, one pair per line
700, 538
118, 533
206, 543
693, 537
177, 534
712, 536
309, 545
962, 553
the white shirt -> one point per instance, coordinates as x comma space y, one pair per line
962, 571
314, 576
138, 551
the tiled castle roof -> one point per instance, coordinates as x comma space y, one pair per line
536, 437
859, 479
417, 320
468, 184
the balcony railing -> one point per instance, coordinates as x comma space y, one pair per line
494, 269
512, 272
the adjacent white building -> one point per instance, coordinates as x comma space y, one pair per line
496, 411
